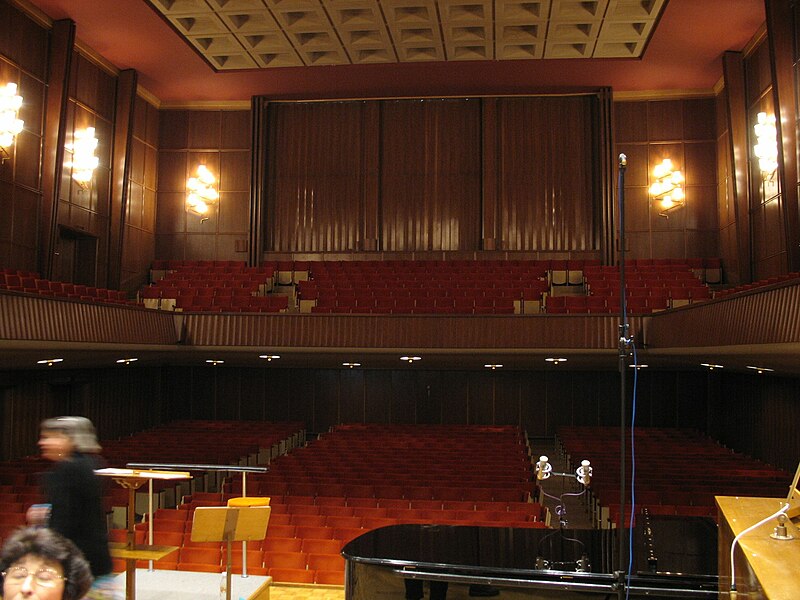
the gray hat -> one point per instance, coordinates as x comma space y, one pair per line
78, 429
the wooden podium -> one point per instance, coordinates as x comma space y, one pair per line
765, 567
230, 524
132, 480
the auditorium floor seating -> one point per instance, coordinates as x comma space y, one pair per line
678, 471
361, 477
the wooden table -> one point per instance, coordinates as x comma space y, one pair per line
765, 567
132, 480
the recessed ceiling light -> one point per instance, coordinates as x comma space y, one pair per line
352, 365
270, 357
638, 366
126, 361
215, 362
493, 367
760, 370
49, 361
410, 359
555, 361
711, 366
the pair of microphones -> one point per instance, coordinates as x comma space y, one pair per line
583, 473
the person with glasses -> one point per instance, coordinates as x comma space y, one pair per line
36, 563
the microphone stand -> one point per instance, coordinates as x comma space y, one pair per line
623, 351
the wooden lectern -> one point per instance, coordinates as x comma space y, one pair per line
132, 479
230, 524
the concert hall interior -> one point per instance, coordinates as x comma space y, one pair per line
395, 251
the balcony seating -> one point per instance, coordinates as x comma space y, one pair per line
31, 283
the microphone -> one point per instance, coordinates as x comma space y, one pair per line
584, 473
623, 161
543, 468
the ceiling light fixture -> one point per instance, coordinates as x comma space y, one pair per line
49, 361
215, 362
711, 366
126, 361
270, 357
638, 366
10, 124
555, 361
84, 162
351, 365
410, 359
493, 367
760, 370
668, 188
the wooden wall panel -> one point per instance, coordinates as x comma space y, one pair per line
315, 179
548, 197
430, 175
684, 131
138, 241
220, 140
23, 60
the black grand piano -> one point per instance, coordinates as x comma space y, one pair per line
673, 558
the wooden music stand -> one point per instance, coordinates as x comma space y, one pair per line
133, 479
230, 524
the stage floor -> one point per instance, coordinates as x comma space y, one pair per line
188, 585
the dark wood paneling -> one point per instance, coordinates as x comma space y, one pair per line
546, 194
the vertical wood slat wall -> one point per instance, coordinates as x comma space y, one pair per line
438, 177
684, 131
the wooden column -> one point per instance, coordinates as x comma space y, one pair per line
370, 214
489, 229
736, 109
258, 179
62, 42
120, 172
781, 53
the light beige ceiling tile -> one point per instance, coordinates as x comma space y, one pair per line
354, 14
324, 57
620, 31
224, 62
237, 5
466, 11
471, 52
369, 56
271, 41
618, 49
522, 11
247, 22
580, 10
216, 44
573, 50
278, 59
181, 7
194, 25
560, 32
421, 54
519, 51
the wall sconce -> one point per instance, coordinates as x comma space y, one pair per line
10, 125
201, 192
766, 148
668, 188
84, 162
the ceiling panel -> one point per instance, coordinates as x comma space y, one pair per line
246, 34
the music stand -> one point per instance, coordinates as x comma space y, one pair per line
230, 524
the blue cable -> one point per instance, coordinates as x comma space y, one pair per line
633, 473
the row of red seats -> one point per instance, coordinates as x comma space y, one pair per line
44, 287
756, 284
679, 469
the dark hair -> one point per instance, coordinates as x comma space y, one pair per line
49, 545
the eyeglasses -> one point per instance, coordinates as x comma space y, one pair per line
46, 578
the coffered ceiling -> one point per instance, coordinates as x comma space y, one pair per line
248, 34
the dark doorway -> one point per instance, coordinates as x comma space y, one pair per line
76, 257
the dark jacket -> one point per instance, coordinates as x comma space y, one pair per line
75, 493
